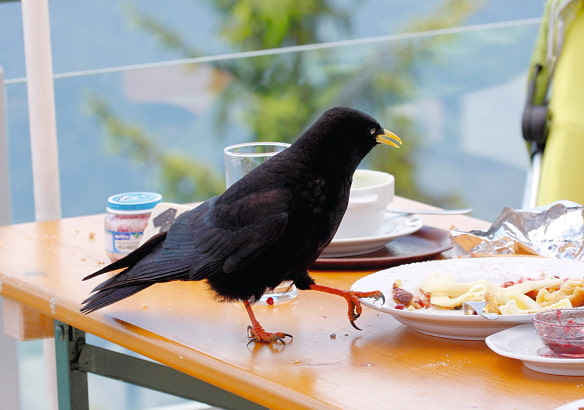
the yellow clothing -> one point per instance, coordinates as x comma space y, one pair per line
562, 170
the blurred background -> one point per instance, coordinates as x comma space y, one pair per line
148, 93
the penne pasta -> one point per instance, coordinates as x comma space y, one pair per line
524, 296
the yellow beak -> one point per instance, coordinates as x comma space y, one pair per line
389, 138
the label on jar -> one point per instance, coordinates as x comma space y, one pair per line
122, 242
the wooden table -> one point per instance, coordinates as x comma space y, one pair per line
328, 365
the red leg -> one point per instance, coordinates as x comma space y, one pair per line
352, 299
256, 332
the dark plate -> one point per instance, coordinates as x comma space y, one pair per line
422, 245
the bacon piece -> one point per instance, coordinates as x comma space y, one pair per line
422, 302
401, 296
405, 299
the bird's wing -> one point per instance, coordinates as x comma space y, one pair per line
238, 229
217, 236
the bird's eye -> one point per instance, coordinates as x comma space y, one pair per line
372, 130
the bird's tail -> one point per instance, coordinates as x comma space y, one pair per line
116, 288
132, 258
108, 296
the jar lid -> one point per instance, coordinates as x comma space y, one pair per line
133, 201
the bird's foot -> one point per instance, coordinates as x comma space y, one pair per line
354, 303
257, 334
352, 298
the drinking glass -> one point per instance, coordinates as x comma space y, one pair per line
242, 158
239, 160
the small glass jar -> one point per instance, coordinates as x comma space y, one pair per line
127, 218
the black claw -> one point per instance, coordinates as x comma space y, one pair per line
382, 297
281, 338
276, 337
354, 316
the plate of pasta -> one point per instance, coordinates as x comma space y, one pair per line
428, 296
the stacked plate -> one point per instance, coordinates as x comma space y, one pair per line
402, 239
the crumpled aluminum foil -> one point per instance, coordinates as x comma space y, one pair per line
555, 230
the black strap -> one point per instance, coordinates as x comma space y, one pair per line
536, 117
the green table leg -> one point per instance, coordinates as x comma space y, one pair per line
75, 359
71, 381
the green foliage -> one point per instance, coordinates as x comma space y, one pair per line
183, 180
277, 96
261, 24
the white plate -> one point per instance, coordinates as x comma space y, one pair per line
393, 227
573, 405
523, 343
454, 324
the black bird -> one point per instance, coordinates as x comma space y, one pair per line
269, 226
